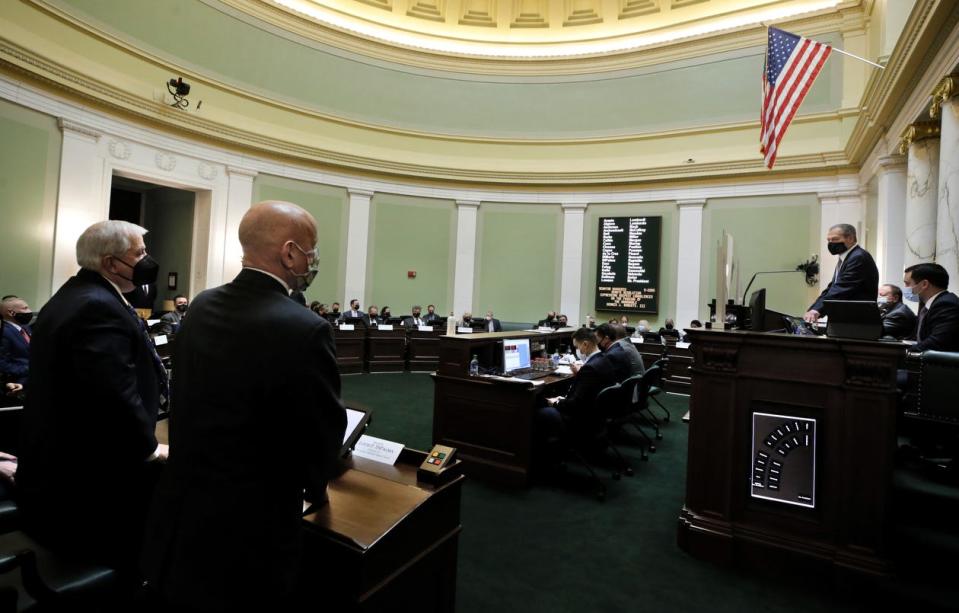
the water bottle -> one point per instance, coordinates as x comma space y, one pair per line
474, 366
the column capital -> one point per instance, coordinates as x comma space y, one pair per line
79, 129
358, 192
462, 204
691, 202
916, 132
944, 90
241, 172
892, 163
574, 206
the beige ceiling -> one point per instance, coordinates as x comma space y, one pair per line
532, 29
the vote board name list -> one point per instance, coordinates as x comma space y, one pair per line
627, 276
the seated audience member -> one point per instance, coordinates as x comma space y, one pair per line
938, 321
573, 415
622, 343
547, 322
319, 308
467, 321
563, 321
96, 385
354, 311
590, 321
171, 321
898, 320
643, 326
669, 329
416, 319
693, 324
335, 309
615, 354
492, 324
623, 320
431, 315
372, 318
15, 341
385, 314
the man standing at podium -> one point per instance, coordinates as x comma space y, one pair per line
258, 419
855, 277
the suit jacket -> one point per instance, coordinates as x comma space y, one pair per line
899, 322
429, 317
88, 423
410, 323
14, 353
141, 299
939, 329
858, 280
258, 419
170, 322
577, 406
625, 359
371, 321
497, 326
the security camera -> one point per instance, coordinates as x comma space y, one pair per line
179, 90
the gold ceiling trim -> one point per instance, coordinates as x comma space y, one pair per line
848, 15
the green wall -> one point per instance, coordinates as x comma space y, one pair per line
667, 96
411, 234
518, 261
329, 205
29, 176
667, 258
168, 215
769, 233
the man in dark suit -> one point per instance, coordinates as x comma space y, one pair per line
142, 296
354, 311
96, 384
171, 321
898, 320
620, 351
416, 319
492, 324
547, 322
431, 315
15, 342
258, 419
372, 317
856, 276
938, 321
572, 415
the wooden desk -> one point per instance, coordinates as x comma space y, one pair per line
676, 377
424, 350
384, 541
386, 349
490, 421
849, 388
350, 349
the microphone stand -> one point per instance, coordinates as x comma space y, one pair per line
763, 272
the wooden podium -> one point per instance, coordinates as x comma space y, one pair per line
791, 451
385, 541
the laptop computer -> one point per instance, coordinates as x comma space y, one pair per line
856, 319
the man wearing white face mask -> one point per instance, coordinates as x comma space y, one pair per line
898, 320
938, 323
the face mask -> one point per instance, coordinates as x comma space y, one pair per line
303, 279
669, 326
144, 272
182, 307
909, 294
641, 328
579, 354
23, 318
836, 248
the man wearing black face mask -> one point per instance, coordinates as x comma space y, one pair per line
856, 276
258, 419
171, 321
15, 342
898, 320
96, 384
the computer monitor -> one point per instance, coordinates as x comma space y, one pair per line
354, 321
857, 319
394, 321
757, 311
515, 354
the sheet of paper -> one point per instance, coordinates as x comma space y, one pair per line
346, 327
152, 322
564, 370
378, 449
682, 345
160, 340
636, 340
464, 330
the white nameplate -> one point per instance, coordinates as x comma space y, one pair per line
544, 329
153, 322
387, 327
682, 345
377, 449
160, 340
636, 340
346, 327
425, 328
464, 330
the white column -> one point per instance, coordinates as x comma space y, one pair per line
570, 293
357, 243
891, 217
922, 198
836, 208
947, 219
239, 199
82, 198
690, 258
465, 265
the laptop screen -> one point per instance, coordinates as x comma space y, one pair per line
515, 354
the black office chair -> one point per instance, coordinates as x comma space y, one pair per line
656, 385
634, 394
936, 418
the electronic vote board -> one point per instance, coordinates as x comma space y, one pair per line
627, 275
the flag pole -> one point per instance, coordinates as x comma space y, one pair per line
852, 55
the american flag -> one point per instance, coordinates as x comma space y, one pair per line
792, 64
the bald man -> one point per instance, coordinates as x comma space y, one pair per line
258, 419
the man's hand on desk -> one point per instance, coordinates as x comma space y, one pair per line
574, 367
812, 316
160, 454
8, 467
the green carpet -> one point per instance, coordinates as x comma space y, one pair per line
554, 549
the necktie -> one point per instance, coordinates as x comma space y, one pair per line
25, 335
157, 362
835, 276
922, 315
